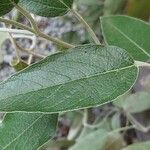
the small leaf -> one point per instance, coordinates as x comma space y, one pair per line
129, 33
139, 146
6, 6
134, 103
48, 8
99, 140
95, 139
84, 76
26, 131
18, 64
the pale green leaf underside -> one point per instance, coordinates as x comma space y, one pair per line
99, 139
95, 139
26, 131
139, 146
48, 8
134, 103
85, 76
6, 6
129, 33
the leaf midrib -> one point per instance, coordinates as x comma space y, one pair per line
116, 70
23, 132
64, 4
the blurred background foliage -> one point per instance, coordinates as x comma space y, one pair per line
91, 10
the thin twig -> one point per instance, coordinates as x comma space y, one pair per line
137, 125
37, 31
16, 31
88, 28
28, 51
56, 40
28, 16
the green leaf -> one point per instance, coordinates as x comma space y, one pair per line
99, 140
134, 103
139, 146
48, 8
84, 76
129, 33
26, 131
95, 139
6, 6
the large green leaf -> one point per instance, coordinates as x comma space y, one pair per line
84, 76
26, 131
6, 6
138, 146
129, 33
47, 8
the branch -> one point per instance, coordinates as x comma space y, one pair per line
88, 28
17, 24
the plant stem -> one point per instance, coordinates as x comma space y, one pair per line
14, 45
17, 24
123, 129
16, 31
85, 117
28, 16
140, 64
31, 52
88, 28
138, 126
28, 51
45, 36
55, 40
38, 32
